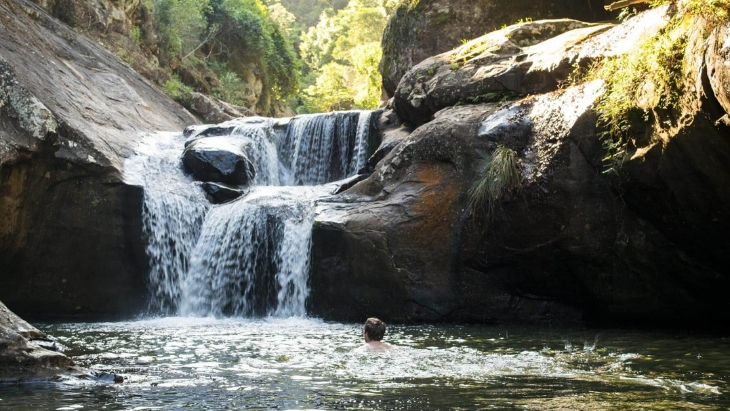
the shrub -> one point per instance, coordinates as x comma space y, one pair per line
176, 89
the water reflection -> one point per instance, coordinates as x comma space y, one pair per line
201, 363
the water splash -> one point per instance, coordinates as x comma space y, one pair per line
249, 257
253, 255
173, 214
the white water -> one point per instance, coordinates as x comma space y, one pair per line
249, 257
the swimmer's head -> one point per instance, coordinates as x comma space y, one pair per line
374, 329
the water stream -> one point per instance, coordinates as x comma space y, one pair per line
249, 257
303, 364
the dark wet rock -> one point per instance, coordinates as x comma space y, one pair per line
390, 131
70, 113
425, 28
218, 160
19, 346
573, 244
220, 193
218, 130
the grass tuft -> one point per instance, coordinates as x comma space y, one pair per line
500, 175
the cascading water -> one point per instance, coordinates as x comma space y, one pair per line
249, 257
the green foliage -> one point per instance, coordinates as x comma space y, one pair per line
180, 25
500, 175
125, 56
717, 12
644, 83
245, 27
176, 89
231, 88
343, 50
135, 34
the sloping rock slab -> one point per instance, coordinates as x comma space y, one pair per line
421, 29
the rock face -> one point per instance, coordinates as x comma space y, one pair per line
420, 29
717, 67
570, 244
221, 193
527, 58
19, 347
117, 15
71, 232
218, 160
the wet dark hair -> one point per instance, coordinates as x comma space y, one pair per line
375, 329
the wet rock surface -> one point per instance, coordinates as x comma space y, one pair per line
221, 193
70, 112
218, 160
405, 244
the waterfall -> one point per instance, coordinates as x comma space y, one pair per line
334, 147
249, 257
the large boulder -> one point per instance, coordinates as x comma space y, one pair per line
526, 58
424, 28
218, 160
565, 241
564, 247
70, 112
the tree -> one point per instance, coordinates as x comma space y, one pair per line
344, 50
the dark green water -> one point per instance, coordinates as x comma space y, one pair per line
206, 364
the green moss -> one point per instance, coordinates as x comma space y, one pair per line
125, 56
135, 34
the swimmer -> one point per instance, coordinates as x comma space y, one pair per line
374, 331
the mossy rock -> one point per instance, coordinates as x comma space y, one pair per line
423, 28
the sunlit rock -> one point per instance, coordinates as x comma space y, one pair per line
425, 28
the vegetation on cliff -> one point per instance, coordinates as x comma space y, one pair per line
647, 84
232, 38
317, 55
